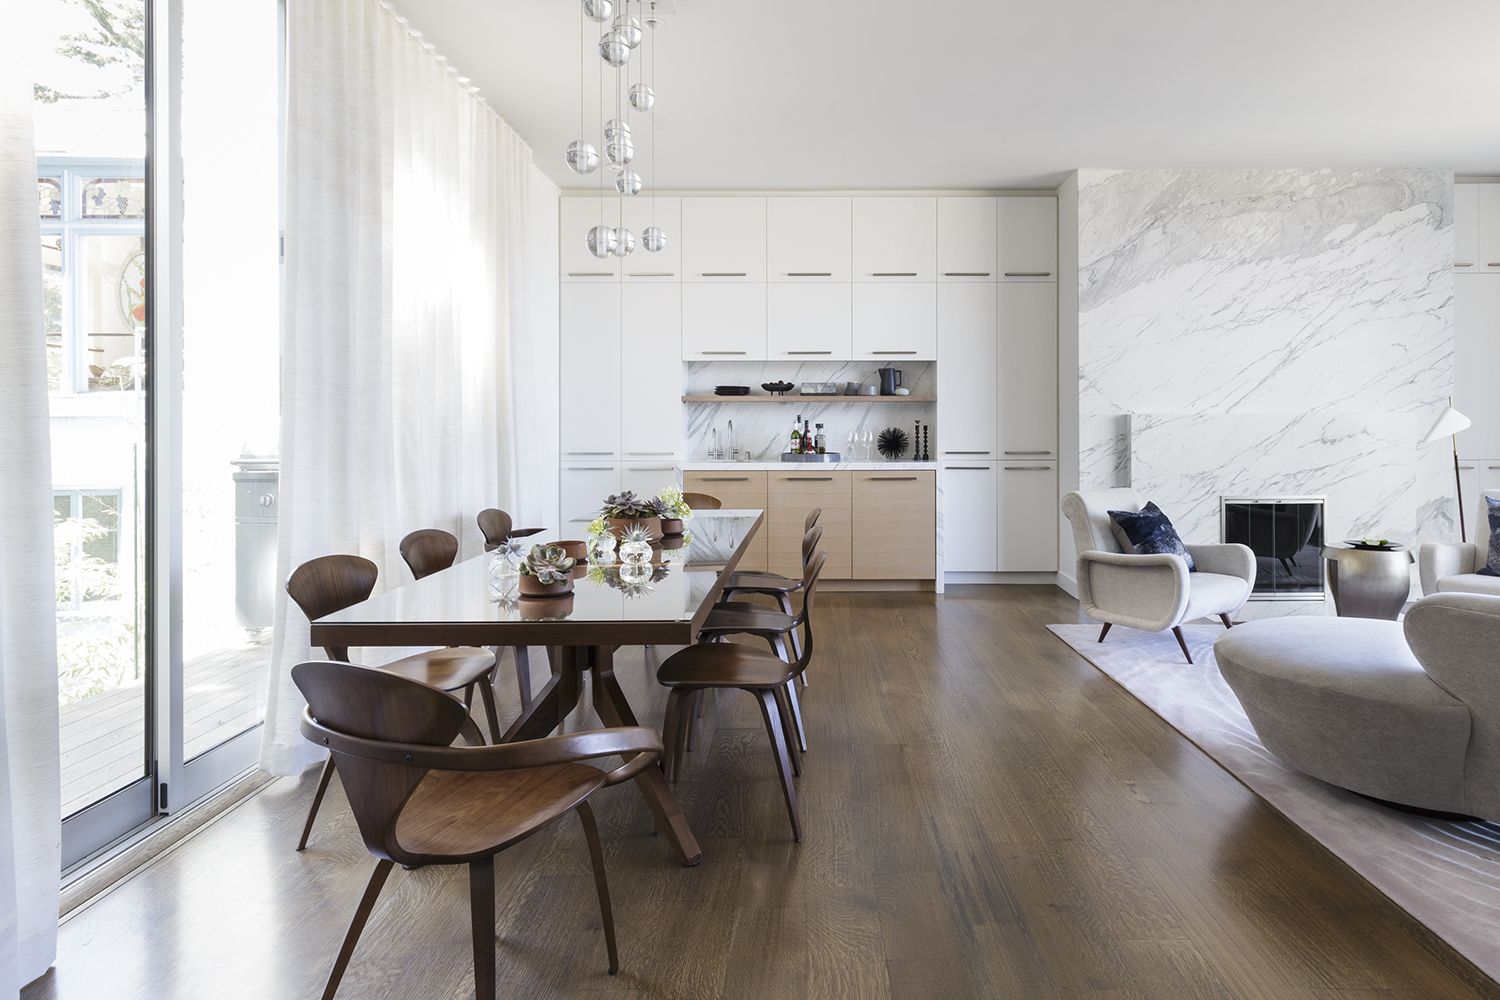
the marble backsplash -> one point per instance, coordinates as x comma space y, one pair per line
762, 430
1248, 331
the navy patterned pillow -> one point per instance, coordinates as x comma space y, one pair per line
1492, 567
1150, 531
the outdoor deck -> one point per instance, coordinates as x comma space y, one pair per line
103, 738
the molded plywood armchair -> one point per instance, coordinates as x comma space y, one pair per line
1151, 592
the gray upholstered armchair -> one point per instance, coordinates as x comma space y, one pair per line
1453, 568
1150, 592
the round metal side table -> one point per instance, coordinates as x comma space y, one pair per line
1368, 583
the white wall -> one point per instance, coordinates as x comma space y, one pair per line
534, 356
1067, 373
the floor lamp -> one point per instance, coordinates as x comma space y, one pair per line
1448, 424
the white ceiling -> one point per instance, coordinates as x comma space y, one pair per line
956, 94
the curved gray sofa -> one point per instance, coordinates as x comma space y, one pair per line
1408, 712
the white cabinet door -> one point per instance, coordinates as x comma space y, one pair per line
666, 264
808, 239
967, 411
647, 479
584, 487
808, 322
1476, 357
1466, 228
650, 373
1026, 238
970, 525
895, 322
576, 216
724, 239
895, 239
1489, 229
966, 239
723, 322
1027, 518
1026, 321
590, 336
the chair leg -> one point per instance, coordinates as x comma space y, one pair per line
796, 706
1177, 631
523, 674
491, 716
601, 882
1225, 619
469, 696
1104, 631
312, 810
669, 734
786, 728
694, 713
357, 925
684, 732
482, 915
772, 716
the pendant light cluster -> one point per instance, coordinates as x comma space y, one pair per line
633, 94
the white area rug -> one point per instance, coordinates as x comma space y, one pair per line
1445, 874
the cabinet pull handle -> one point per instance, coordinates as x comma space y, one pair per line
721, 274
1027, 468
590, 468
1494, 467
1469, 263
967, 468
721, 352
649, 454
1468, 468
968, 453
891, 479
1028, 274
1044, 452
893, 274
1494, 263
808, 479
651, 274
590, 454
809, 274
725, 479
893, 352
809, 352
591, 274
966, 274
649, 468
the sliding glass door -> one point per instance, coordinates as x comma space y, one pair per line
157, 127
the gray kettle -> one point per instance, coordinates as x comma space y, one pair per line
890, 380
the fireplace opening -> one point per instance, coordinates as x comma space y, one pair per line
1286, 535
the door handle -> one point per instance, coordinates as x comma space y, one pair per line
591, 274
1029, 452
808, 479
725, 479
966, 274
809, 274
590, 454
590, 468
891, 479
721, 274
1465, 264
1028, 468
721, 352
649, 454
967, 453
1028, 274
893, 274
650, 274
809, 352
967, 468
893, 352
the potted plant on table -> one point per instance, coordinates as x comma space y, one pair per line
675, 511
624, 510
547, 572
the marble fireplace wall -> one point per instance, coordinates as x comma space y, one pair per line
762, 429
1268, 330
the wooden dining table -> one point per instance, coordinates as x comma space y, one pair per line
473, 604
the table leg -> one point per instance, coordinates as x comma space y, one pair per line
614, 710
551, 705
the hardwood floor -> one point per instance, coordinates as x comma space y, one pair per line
984, 814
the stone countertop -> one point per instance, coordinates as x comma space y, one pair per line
778, 466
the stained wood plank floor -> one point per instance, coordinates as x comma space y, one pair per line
986, 815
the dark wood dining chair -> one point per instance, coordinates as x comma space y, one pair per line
754, 582
327, 584
715, 665
496, 526
702, 501
419, 801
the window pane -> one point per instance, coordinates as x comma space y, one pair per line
49, 198
52, 308
112, 307
114, 198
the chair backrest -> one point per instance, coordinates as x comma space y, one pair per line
702, 501
810, 575
367, 703
495, 525
428, 550
810, 544
327, 584
812, 518
1088, 513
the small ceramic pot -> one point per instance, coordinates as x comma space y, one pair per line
536, 609
575, 548
620, 526
671, 526
531, 587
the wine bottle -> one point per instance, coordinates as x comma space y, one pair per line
797, 435
820, 441
807, 439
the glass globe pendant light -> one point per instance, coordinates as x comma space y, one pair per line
620, 151
613, 48
628, 27
582, 157
598, 10
628, 183
624, 242
653, 239
642, 97
616, 128
601, 241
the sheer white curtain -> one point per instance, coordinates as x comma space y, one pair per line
30, 831
408, 221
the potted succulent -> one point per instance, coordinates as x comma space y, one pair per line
625, 509
675, 510
635, 546
547, 572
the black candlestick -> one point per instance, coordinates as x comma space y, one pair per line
926, 456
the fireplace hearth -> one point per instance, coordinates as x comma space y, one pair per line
1286, 535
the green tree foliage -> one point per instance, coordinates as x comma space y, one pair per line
117, 37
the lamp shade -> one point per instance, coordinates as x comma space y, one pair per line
1449, 422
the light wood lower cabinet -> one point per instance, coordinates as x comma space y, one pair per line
790, 498
895, 518
745, 490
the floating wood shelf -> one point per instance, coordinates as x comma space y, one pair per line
809, 399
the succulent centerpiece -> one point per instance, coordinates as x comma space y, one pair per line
676, 511
547, 572
623, 510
